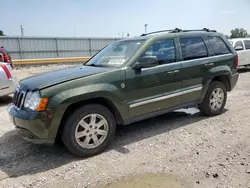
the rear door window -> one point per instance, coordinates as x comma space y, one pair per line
247, 44
163, 50
193, 48
218, 45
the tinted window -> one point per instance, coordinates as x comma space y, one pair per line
193, 48
218, 46
239, 43
164, 50
247, 44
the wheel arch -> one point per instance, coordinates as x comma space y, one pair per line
97, 100
224, 78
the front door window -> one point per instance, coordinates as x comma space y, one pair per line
164, 50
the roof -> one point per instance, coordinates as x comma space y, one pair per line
236, 39
173, 33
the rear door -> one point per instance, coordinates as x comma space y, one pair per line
247, 51
195, 64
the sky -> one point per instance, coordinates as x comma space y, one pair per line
111, 18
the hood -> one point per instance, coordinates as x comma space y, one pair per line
55, 77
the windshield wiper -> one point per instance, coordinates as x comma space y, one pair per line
92, 64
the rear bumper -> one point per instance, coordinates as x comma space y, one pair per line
32, 126
234, 80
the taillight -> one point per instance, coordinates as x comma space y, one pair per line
236, 62
6, 70
6, 58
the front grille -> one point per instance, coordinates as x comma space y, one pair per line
18, 98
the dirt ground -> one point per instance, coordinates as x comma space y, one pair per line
176, 150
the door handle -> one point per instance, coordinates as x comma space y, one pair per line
209, 64
173, 72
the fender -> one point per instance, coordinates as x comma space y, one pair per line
213, 73
61, 101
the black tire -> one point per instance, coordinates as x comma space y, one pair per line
205, 106
68, 132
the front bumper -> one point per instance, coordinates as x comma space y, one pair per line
234, 80
32, 126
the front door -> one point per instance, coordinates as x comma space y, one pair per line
153, 89
241, 53
247, 51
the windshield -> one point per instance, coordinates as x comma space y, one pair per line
115, 54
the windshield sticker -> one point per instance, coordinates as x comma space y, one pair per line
117, 61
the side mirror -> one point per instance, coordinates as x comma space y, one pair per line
238, 48
146, 62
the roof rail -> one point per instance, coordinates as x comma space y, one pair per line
204, 29
178, 30
161, 31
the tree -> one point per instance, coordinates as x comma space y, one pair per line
1, 33
239, 33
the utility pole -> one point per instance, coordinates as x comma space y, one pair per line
22, 30
145, 28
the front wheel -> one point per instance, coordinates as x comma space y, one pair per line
89, 130
215, 99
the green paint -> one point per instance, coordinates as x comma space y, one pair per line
123, 87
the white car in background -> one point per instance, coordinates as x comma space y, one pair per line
242, 46
7, 81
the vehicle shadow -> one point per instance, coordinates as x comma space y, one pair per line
18, 157
243, 70
154, 126
5, 100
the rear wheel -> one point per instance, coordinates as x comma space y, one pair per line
215, 99
89, 130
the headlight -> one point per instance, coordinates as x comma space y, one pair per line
34, 102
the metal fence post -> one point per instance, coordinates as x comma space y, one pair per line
20, 47
57, 52
90, 48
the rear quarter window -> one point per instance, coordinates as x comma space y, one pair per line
3, 50
218, 45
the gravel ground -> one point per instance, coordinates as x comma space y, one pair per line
178, 149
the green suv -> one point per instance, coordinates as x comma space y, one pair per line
127, 81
